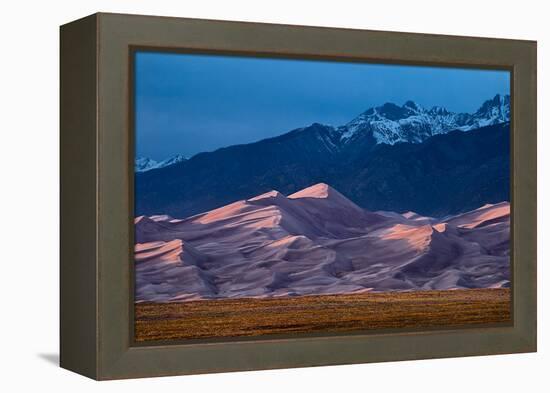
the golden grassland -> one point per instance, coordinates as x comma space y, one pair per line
320, 314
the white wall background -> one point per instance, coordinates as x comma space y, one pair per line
29, 194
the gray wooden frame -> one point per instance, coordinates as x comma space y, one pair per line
97, 195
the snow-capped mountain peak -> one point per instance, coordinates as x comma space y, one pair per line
413, 106
391, 123
144, 164
171, 160
438, 110
496, 110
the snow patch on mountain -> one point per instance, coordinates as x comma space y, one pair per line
171, 161
412, 123
144, 164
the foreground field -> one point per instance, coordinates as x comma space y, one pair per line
327, 313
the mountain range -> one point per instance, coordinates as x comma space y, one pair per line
390, 157
316, 241
391, 124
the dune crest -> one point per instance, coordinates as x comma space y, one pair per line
316, 241
319, 190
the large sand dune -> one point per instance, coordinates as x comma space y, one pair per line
316, 241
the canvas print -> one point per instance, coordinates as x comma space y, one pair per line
291, 197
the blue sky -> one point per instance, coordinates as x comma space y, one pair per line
187, 103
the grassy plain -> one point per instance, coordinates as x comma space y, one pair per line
325, 313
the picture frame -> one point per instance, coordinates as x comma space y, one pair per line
96, 142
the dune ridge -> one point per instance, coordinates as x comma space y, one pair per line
314, 242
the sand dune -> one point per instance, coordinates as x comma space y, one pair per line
316, 241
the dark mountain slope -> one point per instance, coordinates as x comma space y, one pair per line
446, 174
287, 163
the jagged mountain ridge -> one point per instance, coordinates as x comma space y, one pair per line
144, 164
391, 124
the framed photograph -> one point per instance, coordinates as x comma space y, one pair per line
241, 196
